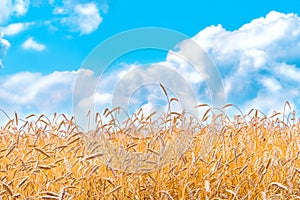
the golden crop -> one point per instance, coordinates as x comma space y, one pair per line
253, 157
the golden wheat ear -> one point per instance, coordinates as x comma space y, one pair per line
5, 113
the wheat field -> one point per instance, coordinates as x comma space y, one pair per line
253, 156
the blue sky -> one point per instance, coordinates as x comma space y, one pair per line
255, 45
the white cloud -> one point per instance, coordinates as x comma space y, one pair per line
85, 18
13, 8
287, 72
1, 64
271, 84
28, 92
21, 7
59, 11
255, 55
80, 17
268, 34
259, 63
15, 28
133, 86
99, 99
5, 7
31, 44
4, 46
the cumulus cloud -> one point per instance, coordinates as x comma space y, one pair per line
28, 92
82, 17
87, 18
13, 8
258, 61
31, 44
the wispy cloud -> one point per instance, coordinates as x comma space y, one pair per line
21, 7
80, 16
15, 28
31, 44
